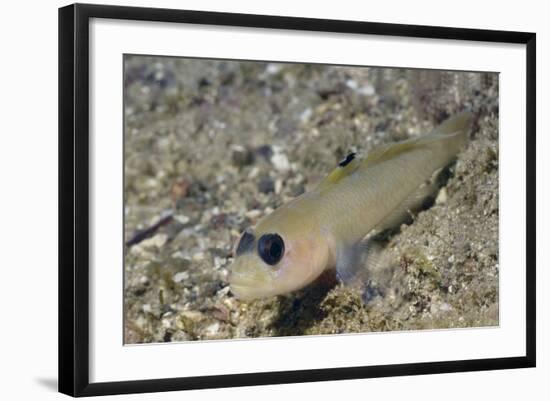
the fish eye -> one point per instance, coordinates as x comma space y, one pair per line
271, 248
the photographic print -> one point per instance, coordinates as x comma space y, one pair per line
227, 187
266, 199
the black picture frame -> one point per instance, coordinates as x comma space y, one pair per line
74, 194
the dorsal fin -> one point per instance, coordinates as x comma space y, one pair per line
350, 163
454, 126
390, 150
347, 166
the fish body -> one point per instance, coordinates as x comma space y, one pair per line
323, 229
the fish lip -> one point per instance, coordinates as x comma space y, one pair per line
241, 279
246, 288
244, 292
241, 284
247, 280
252, 277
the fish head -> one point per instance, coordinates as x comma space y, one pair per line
283, 253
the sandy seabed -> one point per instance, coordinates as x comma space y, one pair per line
216, 145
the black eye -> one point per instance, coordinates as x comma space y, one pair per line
271, 248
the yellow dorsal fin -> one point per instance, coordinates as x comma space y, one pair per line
453, 126
347, 166
390, 150
350, 163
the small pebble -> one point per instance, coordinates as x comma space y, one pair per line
366, 90
182, 219
180, 189
140, 252
278, 186
218, 220
273, 68
305, 115
265, 151
253, 172
253, 214
441, 198
140, 322
280, 161
180, 276
241, 156
219, 262
266, 185
156, 241
212, 329
177, 255
352, 84
224, 291
179, 336
191, 315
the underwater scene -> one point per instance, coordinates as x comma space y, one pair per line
268, 199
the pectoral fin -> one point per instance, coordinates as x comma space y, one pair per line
352, 261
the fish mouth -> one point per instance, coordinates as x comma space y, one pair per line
244, 293
242, 279
248, 281
245, 288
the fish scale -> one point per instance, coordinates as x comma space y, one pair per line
385, 185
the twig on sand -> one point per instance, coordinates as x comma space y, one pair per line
149, 231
